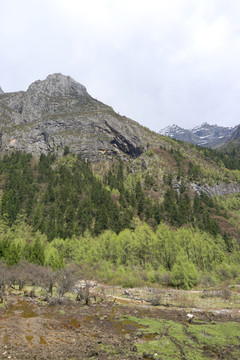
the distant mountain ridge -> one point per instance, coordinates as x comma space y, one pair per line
205, 135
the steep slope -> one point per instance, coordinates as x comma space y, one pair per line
57, 113
62, 196
235, 135
158, 209
205, 135
232, 148
58, 116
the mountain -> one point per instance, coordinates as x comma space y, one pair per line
144, 202
1, 91
235, 135
178, 133
232, 148
57, 113
205, 135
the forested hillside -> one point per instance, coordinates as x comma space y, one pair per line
128, 222
63, 197
228, 156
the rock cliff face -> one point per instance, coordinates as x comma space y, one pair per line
58, 112
217, 189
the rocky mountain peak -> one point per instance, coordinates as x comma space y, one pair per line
58, 85
171, 130
1, 91
58, 112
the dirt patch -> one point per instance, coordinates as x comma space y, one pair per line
33, 330
68, 331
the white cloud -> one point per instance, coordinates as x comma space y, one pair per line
159, 62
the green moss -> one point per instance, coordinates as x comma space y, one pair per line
25, 309
110, 350
188, 341
222, 334
42, 340
29, 338
165, 348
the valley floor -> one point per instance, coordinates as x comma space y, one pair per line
125, 325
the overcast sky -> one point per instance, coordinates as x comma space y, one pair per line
158, 62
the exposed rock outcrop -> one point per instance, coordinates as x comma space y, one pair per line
58, 85
216, 189
59, 112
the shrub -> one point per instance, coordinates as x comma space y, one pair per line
226, 294
151, 275
156, 300
162, 276
150, 152
184, 273
207, 280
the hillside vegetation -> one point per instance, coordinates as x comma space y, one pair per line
129, 222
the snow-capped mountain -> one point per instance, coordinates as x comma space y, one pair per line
178, 133
205, 135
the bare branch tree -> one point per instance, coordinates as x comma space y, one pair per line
21, 274
66, 278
